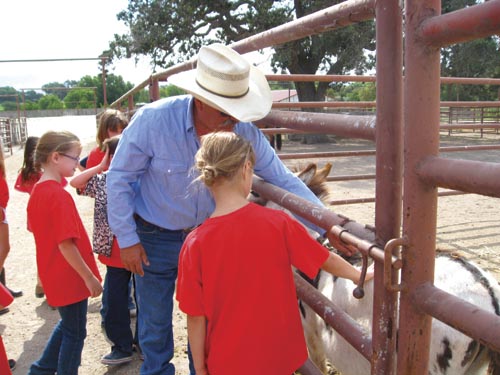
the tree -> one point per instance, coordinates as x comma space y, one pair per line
50, 101
173, 31
79, 98
55, 89
115, 87
8, 94
478, 58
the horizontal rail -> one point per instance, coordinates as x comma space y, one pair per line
362, 127
340, 202
464, 175
339, 320
467, 318
474, 22
352, 78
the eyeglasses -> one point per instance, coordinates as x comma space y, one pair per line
74, 158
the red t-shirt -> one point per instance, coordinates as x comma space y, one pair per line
4, 193
53, 218
95, 157
236, 271
27, 186
114, 260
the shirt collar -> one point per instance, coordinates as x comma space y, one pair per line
190, 116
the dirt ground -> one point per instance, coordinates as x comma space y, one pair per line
468, 223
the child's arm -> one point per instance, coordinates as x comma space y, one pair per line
337, 266
81, 180
197, 330
73, 257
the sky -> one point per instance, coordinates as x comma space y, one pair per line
56, 29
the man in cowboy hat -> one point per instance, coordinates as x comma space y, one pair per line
152, 201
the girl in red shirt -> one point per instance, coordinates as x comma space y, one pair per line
241, 259
65, 261
28, 176
111, 123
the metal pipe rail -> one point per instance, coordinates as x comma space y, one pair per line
340, 321
474, 22
465, 175
350, 234
467, 318
362, 127
352, 78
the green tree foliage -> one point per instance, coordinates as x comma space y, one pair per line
170, 90
172, 31
32, 95
50, 101
478, 58
115, 87
8, 94
80, 98
56, 88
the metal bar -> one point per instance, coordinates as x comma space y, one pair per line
362, 127
350, 177
278, 105
328, 19
48, 60
389, 176
351, 78
335, 317
465, 317
474, 22
333, 154
421, 139
464, 175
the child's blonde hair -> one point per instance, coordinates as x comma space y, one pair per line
111, 119
222, 154
52, 141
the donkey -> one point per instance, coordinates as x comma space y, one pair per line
451, 352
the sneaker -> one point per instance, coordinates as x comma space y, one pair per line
12, 364
116, 357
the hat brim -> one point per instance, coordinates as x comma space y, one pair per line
252, 106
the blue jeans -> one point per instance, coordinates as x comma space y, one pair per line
117, 316
104, 299
155, 293
63, 352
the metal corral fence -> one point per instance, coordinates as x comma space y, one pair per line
13, 132
412, 104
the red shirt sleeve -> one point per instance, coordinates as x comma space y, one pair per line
4, 193
189, 282
307, 254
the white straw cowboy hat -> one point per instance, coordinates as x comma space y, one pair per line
225, 80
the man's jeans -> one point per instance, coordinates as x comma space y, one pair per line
63, 352
155, 293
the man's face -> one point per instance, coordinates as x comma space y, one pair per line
213, 119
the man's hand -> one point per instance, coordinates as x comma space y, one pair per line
133, 257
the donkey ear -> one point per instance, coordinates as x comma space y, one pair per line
307, 174
324, 172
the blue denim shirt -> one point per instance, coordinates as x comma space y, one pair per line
152, 173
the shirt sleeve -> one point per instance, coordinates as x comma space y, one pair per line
189, 284
306, 254
64, 212
127, 166
271, 169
